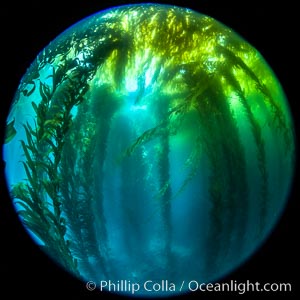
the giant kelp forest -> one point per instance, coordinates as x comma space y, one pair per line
149, 141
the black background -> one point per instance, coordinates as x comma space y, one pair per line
27, 27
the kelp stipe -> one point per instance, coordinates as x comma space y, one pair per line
149, 142
39, 197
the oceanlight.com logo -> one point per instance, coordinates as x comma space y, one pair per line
127, 286
239, 287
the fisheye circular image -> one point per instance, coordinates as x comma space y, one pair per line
149, 145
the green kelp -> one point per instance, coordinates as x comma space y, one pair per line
149, 142
10, 131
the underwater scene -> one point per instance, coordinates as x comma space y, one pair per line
149, 142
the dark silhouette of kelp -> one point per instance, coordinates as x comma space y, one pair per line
10, 131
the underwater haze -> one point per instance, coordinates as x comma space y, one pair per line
149, 142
